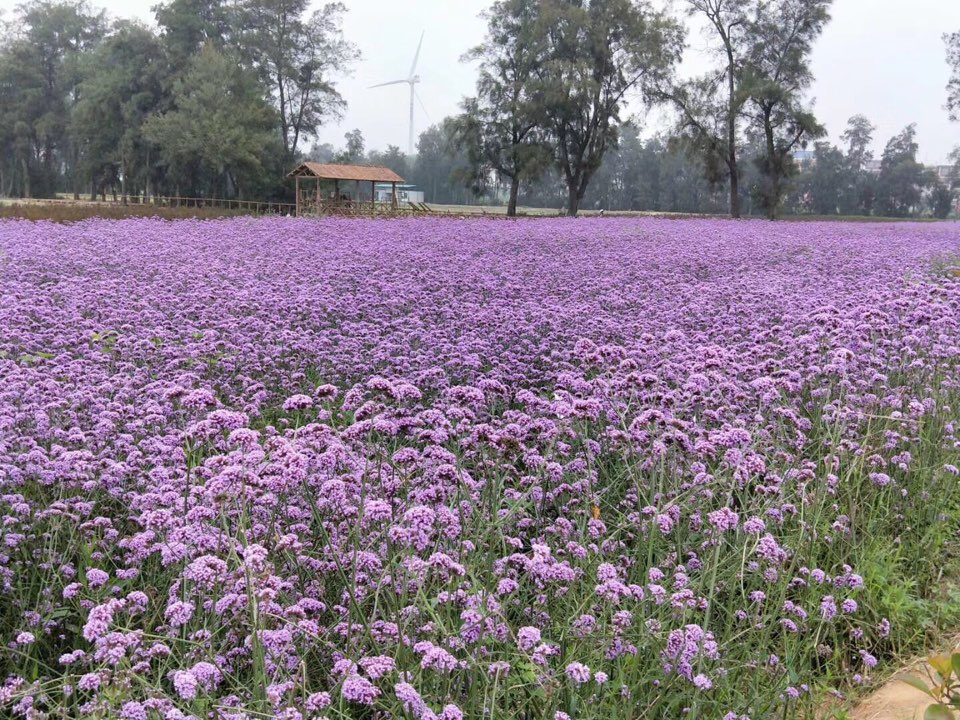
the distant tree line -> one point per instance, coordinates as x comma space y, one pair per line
659, 174
554, 76
226, 95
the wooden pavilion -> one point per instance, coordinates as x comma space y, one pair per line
344, 195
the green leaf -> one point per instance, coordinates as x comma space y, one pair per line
943, 665
938, 712
955, 661
528, 672
917, 683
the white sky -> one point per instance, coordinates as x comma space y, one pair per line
883, 58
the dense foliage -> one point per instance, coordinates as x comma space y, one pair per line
430, 468
216, 102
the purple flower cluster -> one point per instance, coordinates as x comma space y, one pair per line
427, 468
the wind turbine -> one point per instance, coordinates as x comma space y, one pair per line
412, 79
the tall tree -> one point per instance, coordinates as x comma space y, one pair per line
952, 41
941, 197
299, 57
596, 52
901, 181
859, 194
503, 118
776, 73
187, 26
321, 153
219, 130
628, 176
954, 159
392, 158
442, 166
826, 180
710, 106
15, 145
123, 82
40, 71
859, 136
354, 151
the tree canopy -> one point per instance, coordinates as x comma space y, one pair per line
502, 126
952, 41
901, 180
218, 128
87, 106
595, 54
776, 73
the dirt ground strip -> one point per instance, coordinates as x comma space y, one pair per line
895, 699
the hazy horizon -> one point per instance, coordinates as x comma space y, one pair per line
871, 59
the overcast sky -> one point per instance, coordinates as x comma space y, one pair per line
882, 58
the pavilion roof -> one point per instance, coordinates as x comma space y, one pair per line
368, 173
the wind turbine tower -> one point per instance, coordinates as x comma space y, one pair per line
412, 79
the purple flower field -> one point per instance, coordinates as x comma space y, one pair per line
429, 468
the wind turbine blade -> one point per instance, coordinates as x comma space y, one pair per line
417, 55
392, 82
422, 106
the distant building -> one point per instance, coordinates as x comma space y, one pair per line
805, 158
945, 173
405, 193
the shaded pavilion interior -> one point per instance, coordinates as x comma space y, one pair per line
345, 189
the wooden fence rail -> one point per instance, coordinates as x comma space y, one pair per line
256, 207
264, 207
347, 208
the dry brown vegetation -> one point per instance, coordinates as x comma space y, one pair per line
74, 212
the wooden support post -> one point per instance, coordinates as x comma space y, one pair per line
336, 193
373, 198
356, 204
393, 200
297, 183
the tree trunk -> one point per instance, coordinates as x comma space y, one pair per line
76, 172
148, 190
514, 192
573, 199
26, 177
732, 134
773, 174
734, 190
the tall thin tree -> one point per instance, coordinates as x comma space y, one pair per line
299, 57
500, 125
710, 106
776, 74
952, 41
